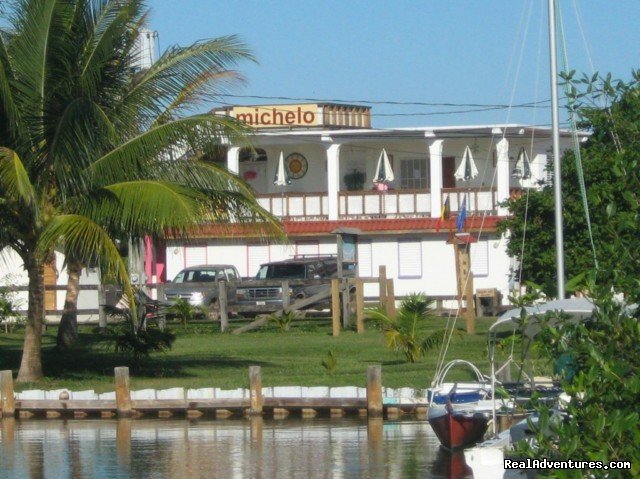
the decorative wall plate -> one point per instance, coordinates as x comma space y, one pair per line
296, 165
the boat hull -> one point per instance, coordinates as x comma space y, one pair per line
457, 429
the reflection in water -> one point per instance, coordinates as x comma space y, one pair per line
255, 448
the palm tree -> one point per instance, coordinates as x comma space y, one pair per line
404, 332
86, 142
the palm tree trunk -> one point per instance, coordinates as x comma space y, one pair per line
68, 329
31, 365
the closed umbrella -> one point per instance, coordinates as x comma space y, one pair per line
522, 168
384, 172
467, 169
281, 179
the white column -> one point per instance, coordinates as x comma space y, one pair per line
502, 165
333, 179
233, 159
435, 176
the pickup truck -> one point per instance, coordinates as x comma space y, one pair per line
199, 285
305, 267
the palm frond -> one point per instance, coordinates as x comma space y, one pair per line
14, 178
84, 239
164, 81
10, 117
152, 206
135, 155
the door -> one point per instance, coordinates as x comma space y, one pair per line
448, 170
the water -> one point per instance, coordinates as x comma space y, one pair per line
224, 449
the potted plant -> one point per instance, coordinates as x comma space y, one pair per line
355, 180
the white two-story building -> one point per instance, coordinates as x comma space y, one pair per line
331, 153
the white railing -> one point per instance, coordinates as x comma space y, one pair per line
301, 206
374, 204
394, 203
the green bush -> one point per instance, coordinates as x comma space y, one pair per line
601, 376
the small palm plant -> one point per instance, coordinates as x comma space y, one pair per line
330, 363
184, 311
403, 332
284, 320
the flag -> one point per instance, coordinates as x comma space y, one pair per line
462, 216
444, 214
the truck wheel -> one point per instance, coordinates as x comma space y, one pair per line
214, 311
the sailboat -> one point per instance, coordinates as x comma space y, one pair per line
487, 460
463, 424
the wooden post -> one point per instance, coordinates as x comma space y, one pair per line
346, 308
360, 305
374, 390
222, 304
285, 296
467, 287
335, 306
123, 391
391, 299
102, 300
123, 441
382, 281
255, 390
7, 399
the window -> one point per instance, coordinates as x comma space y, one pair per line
365, 266
409, 259
414, 174
195, 255
480, 258
307, 248
257, 254
231, 274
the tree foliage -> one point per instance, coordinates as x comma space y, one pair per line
93, 149
610, 111
602, 381
602, 356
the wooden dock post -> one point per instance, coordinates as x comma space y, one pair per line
286, 300
382, 282
255, 390
335, 306
222, 304
7, 399
102, 300
359, 305
391, 299
123, 392
374, 390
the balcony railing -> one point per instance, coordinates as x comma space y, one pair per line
391, 203
479, 200
375, 204
296, 206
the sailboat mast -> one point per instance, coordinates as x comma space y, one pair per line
557, 178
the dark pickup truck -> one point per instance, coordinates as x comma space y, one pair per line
199, 285
297, 268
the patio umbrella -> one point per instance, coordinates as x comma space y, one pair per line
281, 179
522, 168
384, 173
467, 169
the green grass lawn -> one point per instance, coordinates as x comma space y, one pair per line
203, 357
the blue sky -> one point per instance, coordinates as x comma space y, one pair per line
446, 51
